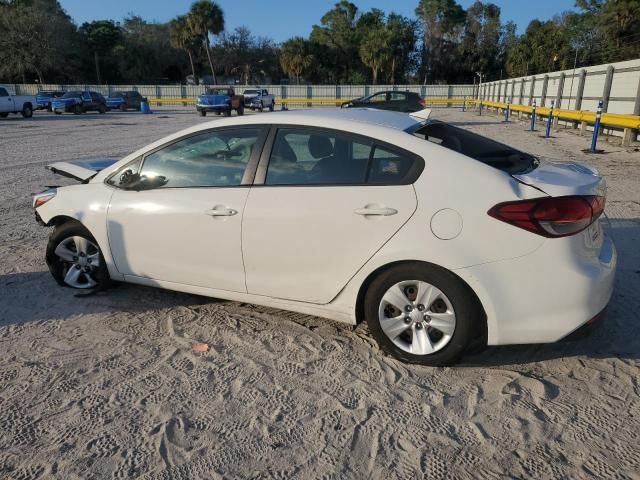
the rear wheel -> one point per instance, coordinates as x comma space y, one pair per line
202, 113
77, 110
27, 111
240, 110
4, 114
227, 112
58, 112
74, 258
421, 313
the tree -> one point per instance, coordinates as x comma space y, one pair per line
442, 23
375, 50
182, 38
204, 18
295, 57
101, 36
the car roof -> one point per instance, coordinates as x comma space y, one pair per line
327, 117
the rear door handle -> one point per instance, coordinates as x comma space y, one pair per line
376, 211
221, 212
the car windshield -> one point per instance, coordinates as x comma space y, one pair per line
251, 92
483, 149
73, 94
216, 91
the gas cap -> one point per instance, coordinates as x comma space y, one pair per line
446, 224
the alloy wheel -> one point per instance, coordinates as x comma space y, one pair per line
81, 259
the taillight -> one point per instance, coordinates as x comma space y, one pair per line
551, 216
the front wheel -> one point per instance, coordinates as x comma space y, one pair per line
421, 313
272, 106
227, 112
4, 114
102, 109
78, 110
202, 113
74, 258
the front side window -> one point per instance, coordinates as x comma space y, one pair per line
317, 157
378, 97
213, 159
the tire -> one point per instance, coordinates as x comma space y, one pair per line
272, 107
202, 113
27, 111
102, 109
123, 108
64, 258
450, 296
240, 110
78, 110
4, 114
227, 112
261, 107
58, 112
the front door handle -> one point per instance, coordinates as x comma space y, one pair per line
221, 211
376, 211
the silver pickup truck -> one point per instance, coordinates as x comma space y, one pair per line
22, 104
259, 98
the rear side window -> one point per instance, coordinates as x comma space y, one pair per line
483, 149
318, 157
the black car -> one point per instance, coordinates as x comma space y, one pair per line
78, 102
44, 98
124, 100
390, 100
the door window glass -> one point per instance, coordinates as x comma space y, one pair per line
214, 159
390, 168
302, 157
378, 97
398, 96
3, 92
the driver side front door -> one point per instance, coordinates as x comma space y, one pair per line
186, 228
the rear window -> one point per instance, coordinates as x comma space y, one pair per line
483, 149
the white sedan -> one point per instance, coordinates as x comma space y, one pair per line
437, 237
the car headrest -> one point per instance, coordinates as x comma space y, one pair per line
320, 147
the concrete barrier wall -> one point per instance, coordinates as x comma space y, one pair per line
617, 84
282, 91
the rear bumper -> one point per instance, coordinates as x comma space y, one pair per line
544, 296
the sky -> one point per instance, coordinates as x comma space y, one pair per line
283, 19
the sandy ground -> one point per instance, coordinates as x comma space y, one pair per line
107, 387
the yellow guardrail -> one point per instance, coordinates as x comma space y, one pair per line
328, 101
611, 119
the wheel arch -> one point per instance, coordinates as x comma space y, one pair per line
359, 308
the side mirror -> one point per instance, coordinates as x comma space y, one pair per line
137, 182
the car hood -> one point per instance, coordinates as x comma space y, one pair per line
82, 170
213, 99
563, 178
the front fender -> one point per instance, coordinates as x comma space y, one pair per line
89, 205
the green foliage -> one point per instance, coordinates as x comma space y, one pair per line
444, 43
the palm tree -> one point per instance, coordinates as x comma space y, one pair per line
295, 57
204, 18
181, 38
375, 50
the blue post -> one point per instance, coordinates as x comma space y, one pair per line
596, 128
506, 112
549, 121
533, 115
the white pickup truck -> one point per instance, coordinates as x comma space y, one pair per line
23, 104
259, 98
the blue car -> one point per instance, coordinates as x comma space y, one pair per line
45, 98
124, 100
220, 100
78, 102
